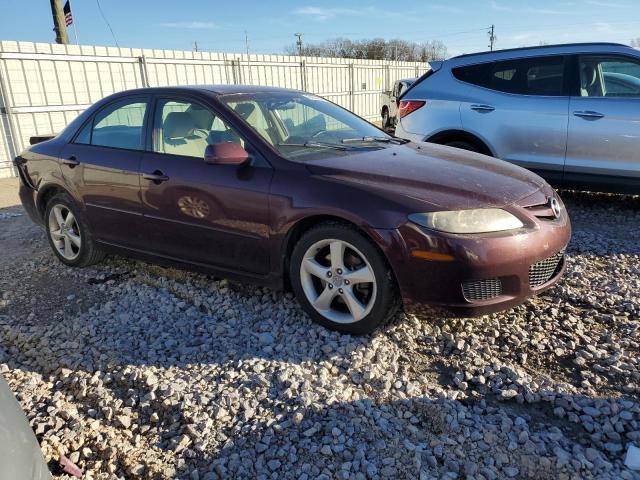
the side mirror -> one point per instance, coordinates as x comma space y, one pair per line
227, 153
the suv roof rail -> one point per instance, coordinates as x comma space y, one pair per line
539, 47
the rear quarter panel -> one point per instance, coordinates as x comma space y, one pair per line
441, 111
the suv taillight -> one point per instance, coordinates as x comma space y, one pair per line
408, 106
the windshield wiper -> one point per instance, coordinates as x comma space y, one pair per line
333, 146
398, 141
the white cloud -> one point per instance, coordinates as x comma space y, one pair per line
499, 7
607, 4
445, 8
322, 14
191, 25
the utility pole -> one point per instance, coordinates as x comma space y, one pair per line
195, 46
492, 37
59, 25
299, 42
246, 42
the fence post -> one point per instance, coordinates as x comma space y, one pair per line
303, 74
144, 74
352, 88
7, 121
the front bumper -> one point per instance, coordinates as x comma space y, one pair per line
501, 260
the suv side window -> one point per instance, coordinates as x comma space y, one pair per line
609, 76
543, 76
119, 125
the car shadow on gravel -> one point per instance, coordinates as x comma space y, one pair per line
411, 437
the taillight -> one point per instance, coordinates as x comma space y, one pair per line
408, 106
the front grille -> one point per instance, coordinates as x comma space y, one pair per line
486, 289
542, 210
542, 271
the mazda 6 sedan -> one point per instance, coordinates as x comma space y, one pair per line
285, 189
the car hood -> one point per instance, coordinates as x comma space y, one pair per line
433, 176
20, 455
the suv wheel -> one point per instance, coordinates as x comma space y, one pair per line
342, 280
385, 118
69, 234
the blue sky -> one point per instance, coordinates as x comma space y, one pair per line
270, 25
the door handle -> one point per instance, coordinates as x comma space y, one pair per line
156, 177
483, 108
71, 161
589, 114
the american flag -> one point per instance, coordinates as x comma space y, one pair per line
68, 18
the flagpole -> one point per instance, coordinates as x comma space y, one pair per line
75, 32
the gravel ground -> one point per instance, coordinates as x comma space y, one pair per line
132, 370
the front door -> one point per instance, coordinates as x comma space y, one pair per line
604, 122
215, 215
103, 163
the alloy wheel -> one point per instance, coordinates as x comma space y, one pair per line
338, 281
64, 232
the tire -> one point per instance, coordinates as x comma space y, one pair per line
375, 301
462, 145
385, 118
73, 244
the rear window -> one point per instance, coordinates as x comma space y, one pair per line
527, 76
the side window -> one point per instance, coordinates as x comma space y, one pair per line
84, 137
542, 76
186, 128
120, 125
603, 76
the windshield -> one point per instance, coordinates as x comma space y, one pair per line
298, 124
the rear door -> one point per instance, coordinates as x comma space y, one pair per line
103, 164
214, 215
604, 122
520, 109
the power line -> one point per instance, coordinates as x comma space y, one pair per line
108, 24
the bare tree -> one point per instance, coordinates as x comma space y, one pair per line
375, 49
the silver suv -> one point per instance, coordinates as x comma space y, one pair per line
571, 113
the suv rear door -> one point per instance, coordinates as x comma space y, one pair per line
604, 129
520, 109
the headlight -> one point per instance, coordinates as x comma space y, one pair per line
480, 220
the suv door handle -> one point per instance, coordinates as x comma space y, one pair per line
483, 108
71, 161
156, 177
589, 114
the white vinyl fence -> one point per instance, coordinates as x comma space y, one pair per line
45, 86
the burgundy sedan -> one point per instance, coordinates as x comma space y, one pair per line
286, 189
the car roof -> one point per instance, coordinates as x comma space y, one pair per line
567, 48
214, 89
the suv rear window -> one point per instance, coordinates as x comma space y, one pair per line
526, 76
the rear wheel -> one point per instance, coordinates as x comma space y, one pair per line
342, 280
69, 234
463, 145
385, 118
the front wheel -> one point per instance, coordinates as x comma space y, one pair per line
342, 280
69, 234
